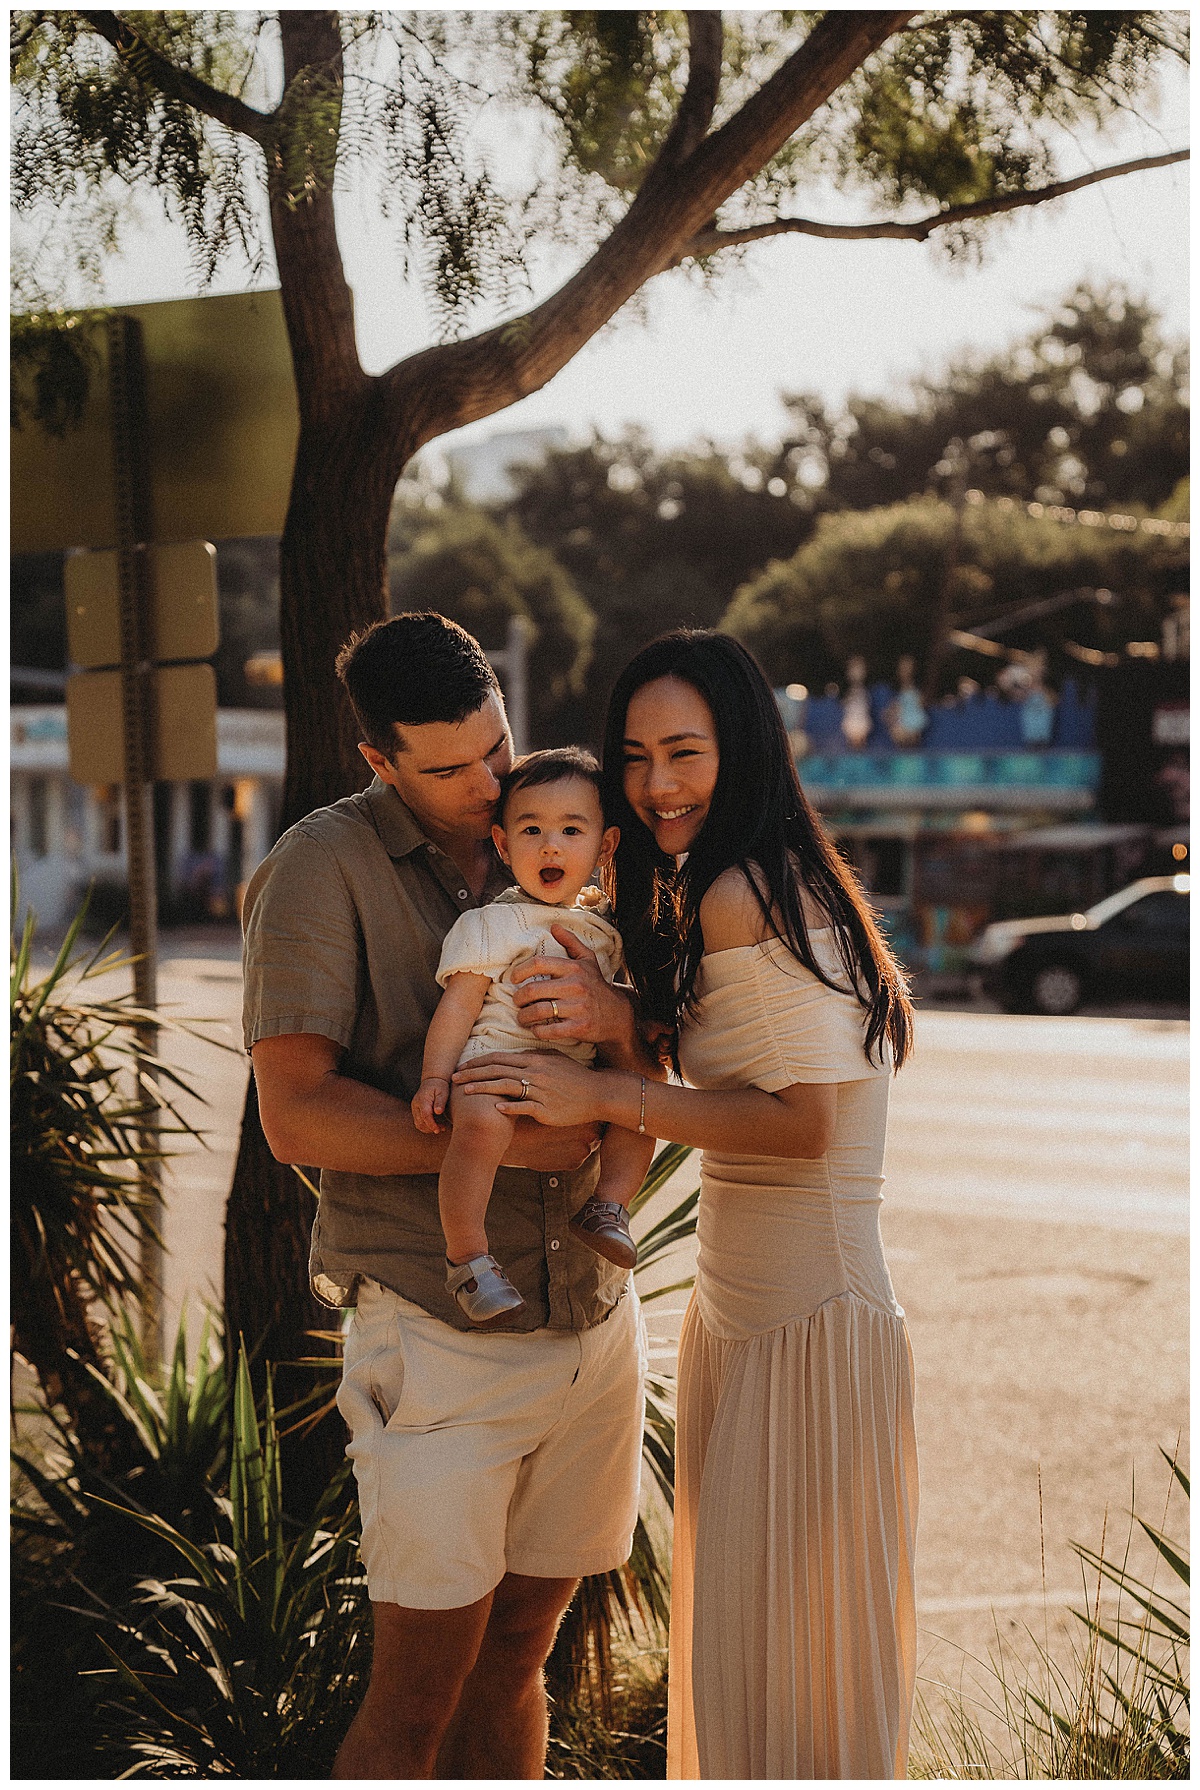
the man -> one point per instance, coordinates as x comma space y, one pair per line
494, 1468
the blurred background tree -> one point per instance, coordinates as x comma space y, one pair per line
652, 541
482, 572
1090, 408
870, 582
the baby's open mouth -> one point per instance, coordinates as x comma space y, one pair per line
551, 875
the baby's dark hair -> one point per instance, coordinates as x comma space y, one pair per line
552, 765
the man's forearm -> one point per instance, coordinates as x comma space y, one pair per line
346, 1125
349, 1127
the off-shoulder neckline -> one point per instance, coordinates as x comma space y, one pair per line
773, 939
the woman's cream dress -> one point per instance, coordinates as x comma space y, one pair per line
793, 1625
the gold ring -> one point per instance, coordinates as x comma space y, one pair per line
524, 1094
554, 1008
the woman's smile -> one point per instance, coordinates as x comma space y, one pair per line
671, 761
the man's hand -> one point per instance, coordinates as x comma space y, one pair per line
429, 1103
567, 1001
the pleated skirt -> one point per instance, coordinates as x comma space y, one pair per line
793, 1616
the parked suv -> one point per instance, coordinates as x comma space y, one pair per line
1133, 944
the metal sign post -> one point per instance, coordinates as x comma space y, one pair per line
127, 398
511, 661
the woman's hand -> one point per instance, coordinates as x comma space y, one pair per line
566, 1000
559, 1091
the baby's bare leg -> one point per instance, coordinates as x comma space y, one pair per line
624, 1158
478, 1145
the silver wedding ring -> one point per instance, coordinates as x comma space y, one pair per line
524, 1094
554, 1008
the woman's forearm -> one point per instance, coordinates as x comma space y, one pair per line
797, 1122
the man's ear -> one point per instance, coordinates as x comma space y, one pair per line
608, 845
500, 841
379, 762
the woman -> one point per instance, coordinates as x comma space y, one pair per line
792, 1616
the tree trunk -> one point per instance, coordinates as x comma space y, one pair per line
332, 581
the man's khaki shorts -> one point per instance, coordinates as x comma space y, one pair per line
478, 1455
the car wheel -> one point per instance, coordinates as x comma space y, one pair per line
1056, 988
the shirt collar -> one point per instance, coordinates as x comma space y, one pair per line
401, 833
395, 822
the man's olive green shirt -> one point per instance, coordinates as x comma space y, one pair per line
344, 923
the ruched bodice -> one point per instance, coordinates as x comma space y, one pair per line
793, 1615
779, 1237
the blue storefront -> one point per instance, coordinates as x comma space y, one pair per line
974, 823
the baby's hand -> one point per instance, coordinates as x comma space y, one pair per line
429, 1103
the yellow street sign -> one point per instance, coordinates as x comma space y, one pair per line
183, 618
221, 422
184, 732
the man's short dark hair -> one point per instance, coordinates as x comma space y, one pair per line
552, 765
415, 668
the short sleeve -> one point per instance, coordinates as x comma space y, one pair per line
813, 1033
610, 954
481, 942
302, 953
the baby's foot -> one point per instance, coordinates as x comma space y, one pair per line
482, 1289
604, 1226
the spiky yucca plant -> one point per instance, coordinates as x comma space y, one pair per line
249, 1660
173, 1428
78, 1123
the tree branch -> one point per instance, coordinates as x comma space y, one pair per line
444, 388
157, 70
708, 242
317, 302
706, 37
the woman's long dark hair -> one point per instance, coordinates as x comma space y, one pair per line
759, 817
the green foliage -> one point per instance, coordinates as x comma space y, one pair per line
176, 1432
610, 80
250, 1663
1090, 408
91, 123
628, 1740
72, 1532
868, 583
957, 107
1117, 1710
87, 117
197, 1631
482, 573
53, 359
83, 1128
652, 541
971, 106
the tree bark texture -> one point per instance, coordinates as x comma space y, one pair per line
268, 1304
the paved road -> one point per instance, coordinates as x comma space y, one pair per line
1034, 1216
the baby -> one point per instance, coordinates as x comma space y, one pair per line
551, 834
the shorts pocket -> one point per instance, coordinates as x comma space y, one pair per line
374, 1361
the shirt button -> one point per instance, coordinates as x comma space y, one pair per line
554, 1243
554, 1180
